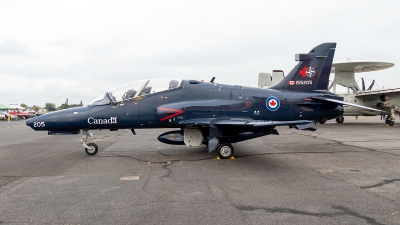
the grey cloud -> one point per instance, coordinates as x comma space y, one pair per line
10, 47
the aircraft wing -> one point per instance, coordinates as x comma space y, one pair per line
202, 121
347, 103
238, 122
256, 123
378, 92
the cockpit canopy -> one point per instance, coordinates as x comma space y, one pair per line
136, 89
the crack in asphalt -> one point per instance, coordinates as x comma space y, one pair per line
151, 162
129, 157
147, 181
169, 171
165, 167
364, 148
384, 182
163, 154
340, 143
285, 153
355, 214
344, 211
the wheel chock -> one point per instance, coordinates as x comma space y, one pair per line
387, 125
232, 158
217, 158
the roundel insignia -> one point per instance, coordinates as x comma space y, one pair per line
273, 103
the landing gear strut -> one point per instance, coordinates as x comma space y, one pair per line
90, 148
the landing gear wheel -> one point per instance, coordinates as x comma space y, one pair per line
92, 150
340, 119
388, 121
322, 121
225, 150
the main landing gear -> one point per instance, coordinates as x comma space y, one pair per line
225, 150
340, 119
90, 148
389, 120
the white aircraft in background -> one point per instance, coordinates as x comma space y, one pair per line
386, 99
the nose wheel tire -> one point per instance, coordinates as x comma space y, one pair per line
92, 150
225, 150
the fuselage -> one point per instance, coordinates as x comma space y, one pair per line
191, 100
384, 101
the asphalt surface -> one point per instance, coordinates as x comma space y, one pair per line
340, 174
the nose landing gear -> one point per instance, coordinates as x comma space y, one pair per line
90, 148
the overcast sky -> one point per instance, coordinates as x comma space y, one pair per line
53, 50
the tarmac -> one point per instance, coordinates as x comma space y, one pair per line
340, 174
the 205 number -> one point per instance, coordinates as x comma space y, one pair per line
39, 124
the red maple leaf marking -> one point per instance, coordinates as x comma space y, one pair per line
272, 103
303, 72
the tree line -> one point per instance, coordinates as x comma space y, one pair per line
49, 106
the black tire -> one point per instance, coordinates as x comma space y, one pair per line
340, 119
225, 150
322, 121
388, 121
92, 152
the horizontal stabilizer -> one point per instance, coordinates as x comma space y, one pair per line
347, 103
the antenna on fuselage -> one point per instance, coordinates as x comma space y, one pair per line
212, 80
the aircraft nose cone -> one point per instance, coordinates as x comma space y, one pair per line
30, 122
33, 123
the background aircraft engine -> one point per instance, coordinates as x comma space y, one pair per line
384, 98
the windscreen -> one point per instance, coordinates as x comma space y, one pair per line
136, 89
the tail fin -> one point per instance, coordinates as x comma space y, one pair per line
312, 72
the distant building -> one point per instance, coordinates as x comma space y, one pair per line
73, 105
42, 111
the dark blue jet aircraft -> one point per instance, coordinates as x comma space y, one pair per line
208, 113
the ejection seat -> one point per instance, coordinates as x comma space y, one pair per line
173, 84
129, 94
146, 91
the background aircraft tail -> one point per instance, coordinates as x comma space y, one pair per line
312, 72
